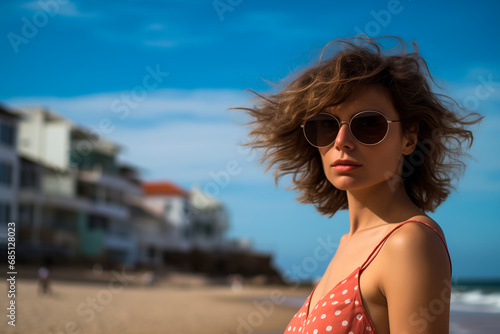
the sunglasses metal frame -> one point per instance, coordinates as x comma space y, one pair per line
349, 124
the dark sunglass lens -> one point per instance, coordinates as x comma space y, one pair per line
321, 130
369, 127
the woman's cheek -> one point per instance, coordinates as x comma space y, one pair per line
390, 164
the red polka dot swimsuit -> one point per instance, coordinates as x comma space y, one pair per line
341, 310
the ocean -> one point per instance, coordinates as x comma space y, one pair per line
476, 295
475, 307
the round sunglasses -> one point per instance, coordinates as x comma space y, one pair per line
367, 127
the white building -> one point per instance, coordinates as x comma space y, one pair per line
71, 199
9, 170
153, 236
73, 193
209, 221
192, 221
171, 202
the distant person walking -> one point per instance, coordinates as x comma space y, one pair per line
44, 281
363, 130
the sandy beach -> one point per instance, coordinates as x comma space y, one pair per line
180, 305
86, 302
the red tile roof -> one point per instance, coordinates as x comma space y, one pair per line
163, 188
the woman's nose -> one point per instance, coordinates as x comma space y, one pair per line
344, 138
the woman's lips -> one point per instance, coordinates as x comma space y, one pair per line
345, 165
345, 168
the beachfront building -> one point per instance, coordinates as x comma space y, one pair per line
47, 207
170, 202
196, 219
72, 194
152, 234
209, 221
44, 225
72, 200
9, 169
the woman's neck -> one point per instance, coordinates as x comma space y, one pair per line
379, 205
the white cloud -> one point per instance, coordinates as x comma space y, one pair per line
161, 43
156, 27
482, 173
130, 106
168, 31
480, 91
190, 152
66, 8
187, 135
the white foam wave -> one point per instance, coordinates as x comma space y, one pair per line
475, 301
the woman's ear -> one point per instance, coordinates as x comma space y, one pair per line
410, 139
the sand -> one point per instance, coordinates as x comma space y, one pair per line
84, 302
178, 306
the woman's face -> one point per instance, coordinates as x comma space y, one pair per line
375, 164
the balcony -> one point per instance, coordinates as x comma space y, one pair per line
96, 175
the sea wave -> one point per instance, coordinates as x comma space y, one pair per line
463, 298
475, 300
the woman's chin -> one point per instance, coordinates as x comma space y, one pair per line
346, 186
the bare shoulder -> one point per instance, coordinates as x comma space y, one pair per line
416, 255
418, 243
413, 274
427, 220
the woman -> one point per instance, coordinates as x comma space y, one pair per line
363, 131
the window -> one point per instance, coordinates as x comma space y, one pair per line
119, 229
151, 252
87, 191
29, 175
168, 207
4, 212
5, 173
86, 159
96, 222
7, 134
25, 215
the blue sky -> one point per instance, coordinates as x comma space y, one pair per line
163, 74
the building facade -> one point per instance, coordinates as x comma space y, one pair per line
72, 200
72, 192
9, 170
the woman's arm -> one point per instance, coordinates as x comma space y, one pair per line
417, 284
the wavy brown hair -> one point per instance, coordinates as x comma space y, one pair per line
442, 136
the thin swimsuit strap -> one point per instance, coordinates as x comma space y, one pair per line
376, 250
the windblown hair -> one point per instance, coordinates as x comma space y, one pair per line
442, 136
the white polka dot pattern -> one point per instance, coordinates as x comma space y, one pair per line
340, 311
